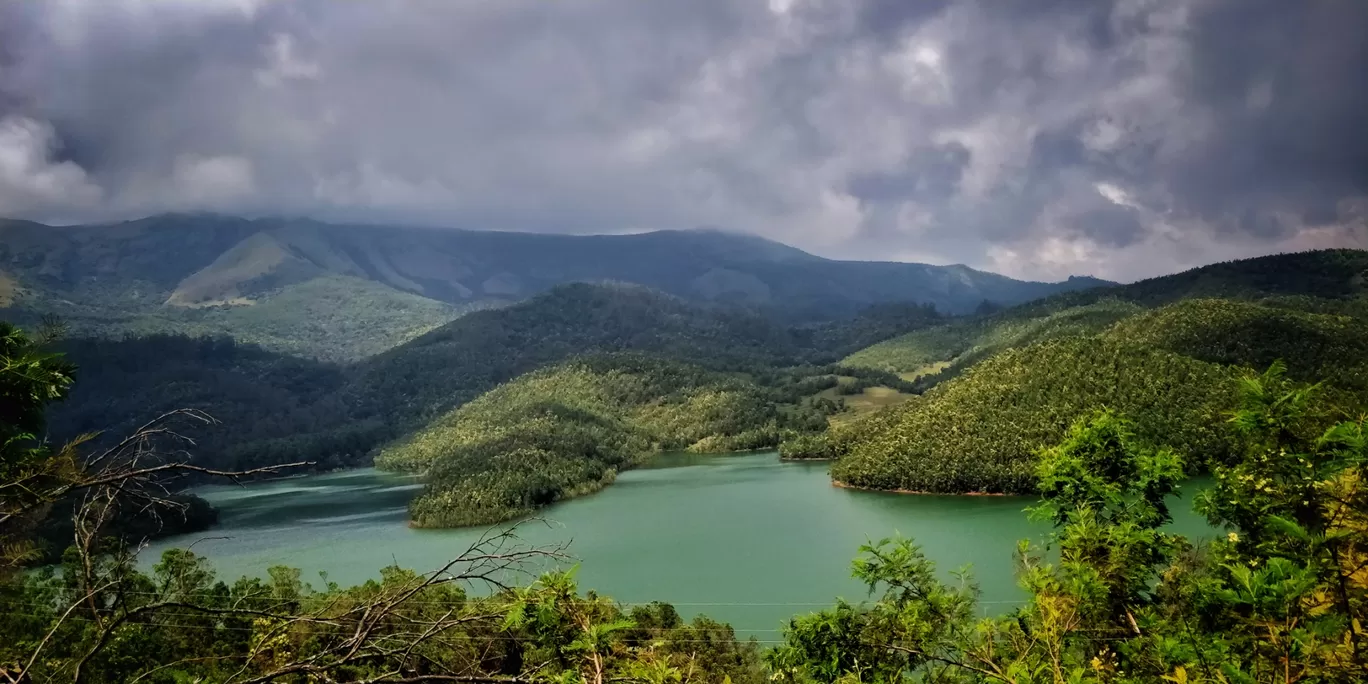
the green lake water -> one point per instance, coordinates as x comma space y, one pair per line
746, 539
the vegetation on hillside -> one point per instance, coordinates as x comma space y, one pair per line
1173, 368
967, 342
275, 408
1282, 597
1327, 281
980, 431
1161, 350
269, 408
569, 429
331, 318
1328, 347
469, 356
874, 324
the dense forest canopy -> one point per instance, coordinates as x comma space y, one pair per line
457, 362
569, 429
1326, 281
1167, 351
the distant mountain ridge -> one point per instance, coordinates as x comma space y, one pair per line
169, 264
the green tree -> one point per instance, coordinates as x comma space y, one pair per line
1280, 598
31, 378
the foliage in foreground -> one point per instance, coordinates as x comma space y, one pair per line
179, 623
568, 430
1281, 598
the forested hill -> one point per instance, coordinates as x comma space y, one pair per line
205, 274
457, 362
569, 429
1167, 353
1326, 281
270, 407
276, 408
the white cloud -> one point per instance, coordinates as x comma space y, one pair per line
213, 182
32, 180
1116, 195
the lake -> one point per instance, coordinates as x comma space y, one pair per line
747, 539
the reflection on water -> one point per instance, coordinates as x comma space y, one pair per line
743, 538
325, 499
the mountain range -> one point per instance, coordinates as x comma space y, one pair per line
343, 292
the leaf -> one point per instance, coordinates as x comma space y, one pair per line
1288, 527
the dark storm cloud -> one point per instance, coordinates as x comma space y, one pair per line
1121, 138
1288, 84
929, 174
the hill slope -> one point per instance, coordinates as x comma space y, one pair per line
102, 275
1020, 377
271, 408
979, 432
567, 430
1327, 281
330, 318
459, 361
277, 408
1173, 371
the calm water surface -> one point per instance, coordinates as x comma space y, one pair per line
746, 539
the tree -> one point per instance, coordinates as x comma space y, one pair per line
1280, 598
31, 378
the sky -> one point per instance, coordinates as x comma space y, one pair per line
1035, 138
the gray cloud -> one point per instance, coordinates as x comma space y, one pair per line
1121, 138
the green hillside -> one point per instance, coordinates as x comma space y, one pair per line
277, 408
271, 408
1154, 351
979, 432
1327, 281
329, 317
966, 342
567, 430
461, 360
1315, 347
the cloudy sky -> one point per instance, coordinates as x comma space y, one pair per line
1037, 138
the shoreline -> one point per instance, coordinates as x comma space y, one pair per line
846, 485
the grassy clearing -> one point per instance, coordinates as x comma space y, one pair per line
927, 369
856, 405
